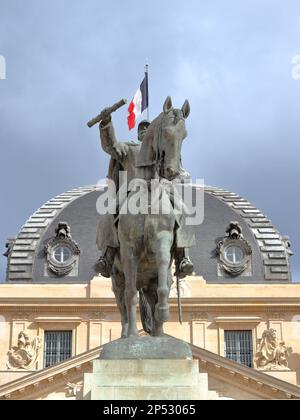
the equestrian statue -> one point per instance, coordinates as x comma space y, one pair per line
139, 248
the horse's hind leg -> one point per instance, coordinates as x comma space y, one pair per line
163, 258
130, 263
118, 285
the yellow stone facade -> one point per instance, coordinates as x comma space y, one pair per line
90, 312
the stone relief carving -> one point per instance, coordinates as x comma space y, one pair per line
72, 389
9, 246
287, 243
234, 251
195, 316
271, 353
96, 315
276, 316
62, 251
25, 354
20, 316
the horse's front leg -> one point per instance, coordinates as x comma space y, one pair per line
130, 263
163, 258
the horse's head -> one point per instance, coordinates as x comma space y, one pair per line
173, 132
161, 146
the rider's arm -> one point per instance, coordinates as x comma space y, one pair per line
109, 144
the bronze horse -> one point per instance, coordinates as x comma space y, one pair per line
147, 240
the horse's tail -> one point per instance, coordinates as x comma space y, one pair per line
146, 312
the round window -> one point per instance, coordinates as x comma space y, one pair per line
234, 254
62, 254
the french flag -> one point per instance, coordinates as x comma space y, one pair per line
139, 102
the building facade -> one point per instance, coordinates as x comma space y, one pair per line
241, 310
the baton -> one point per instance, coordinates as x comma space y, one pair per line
106, 112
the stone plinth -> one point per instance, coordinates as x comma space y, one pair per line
146, 347
148, 379
146, 368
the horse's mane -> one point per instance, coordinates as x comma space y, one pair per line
149, 152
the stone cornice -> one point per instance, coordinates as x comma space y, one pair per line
232, 372
79, 305
217, 301
237, 319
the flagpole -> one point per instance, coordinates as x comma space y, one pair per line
147, 87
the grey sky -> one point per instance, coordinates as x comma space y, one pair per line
67, 59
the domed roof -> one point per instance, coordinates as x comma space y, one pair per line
268, 262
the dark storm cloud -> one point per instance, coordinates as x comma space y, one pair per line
66, 59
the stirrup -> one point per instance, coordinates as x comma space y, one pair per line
185, 268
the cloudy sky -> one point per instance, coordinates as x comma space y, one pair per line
66, 59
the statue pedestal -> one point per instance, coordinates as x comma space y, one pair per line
149, 376
165, 379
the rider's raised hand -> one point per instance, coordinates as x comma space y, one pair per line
121, 149
105, 116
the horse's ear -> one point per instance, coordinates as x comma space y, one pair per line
186, 109
168, 105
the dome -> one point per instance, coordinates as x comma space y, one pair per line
264, 252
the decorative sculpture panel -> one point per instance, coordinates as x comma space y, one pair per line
271, 354
25, 354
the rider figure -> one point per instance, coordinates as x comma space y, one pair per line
123, 158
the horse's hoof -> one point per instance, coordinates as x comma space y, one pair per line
133, 334
161, 313
157, 332
124, 331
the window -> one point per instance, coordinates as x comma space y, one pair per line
58, 347
62, 254
238, 346
234, 254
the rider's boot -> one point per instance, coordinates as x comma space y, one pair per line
184, 265
105, 262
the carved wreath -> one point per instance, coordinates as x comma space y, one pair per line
63, 239
234, 239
